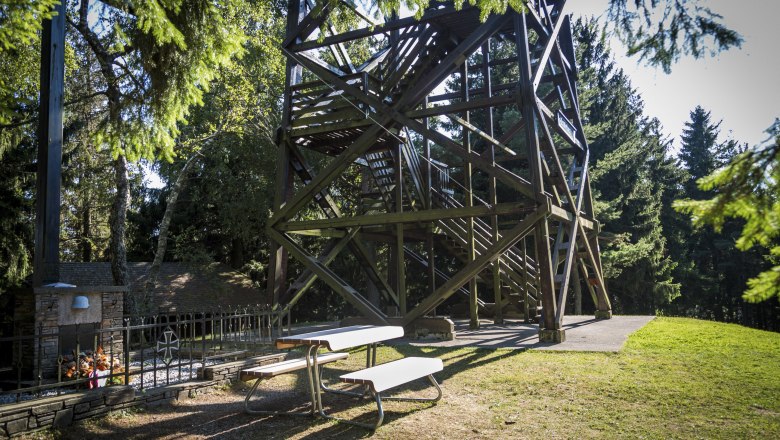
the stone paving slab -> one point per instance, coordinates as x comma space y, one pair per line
583, 333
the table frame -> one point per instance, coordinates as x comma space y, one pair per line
319, 339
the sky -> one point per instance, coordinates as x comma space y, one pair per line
741, 86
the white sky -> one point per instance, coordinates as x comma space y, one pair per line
739, 86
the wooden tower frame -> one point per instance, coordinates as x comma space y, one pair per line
478, 182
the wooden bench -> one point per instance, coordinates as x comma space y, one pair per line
393, 374
279, 368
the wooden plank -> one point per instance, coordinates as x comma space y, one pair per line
373, 30
563, 215
473, 104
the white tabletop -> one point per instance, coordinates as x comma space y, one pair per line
344, 337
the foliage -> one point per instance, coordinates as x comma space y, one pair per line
228, 189
16, 216
747, 188
660, 32
20, 21
157, 60
713, 271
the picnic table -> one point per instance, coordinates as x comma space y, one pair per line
342, 338
376, 379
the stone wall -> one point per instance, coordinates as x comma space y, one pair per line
62, 411
53, 311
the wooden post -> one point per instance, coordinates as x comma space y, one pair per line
577, 290
47, 220
277, 265
400, 271
429, 245
467, 170
498, 313
548, 330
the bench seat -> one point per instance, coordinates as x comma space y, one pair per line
288, 366
392, 374
276, 369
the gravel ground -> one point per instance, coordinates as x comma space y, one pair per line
174, 375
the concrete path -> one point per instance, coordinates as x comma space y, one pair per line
583, 333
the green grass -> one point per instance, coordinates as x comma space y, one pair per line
676, 378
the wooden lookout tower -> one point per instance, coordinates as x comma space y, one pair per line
445, 154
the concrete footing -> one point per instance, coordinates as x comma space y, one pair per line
603, 314
552, 335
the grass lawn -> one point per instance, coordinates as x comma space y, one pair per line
675, 378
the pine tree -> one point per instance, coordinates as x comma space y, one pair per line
713, 273
699, 143
742, 205
630, 154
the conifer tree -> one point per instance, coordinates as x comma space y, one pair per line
630, 153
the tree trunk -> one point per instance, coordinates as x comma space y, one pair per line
162, 240
236, 253
118, 220
86, 243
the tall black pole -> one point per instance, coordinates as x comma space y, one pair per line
47, 221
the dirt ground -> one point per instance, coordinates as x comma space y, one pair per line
220, 414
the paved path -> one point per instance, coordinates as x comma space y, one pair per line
583, 333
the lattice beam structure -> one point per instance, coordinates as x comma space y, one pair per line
445, 154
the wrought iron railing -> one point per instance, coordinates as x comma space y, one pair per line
145, 351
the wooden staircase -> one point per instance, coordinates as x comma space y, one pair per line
517, 271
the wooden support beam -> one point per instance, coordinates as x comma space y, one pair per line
330, 278
467, 170
542, 232
46, 258
490, 139
307, 278
472, 269
393, 218
398, 199
487, 82
552, 42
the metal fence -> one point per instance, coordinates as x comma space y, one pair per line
145, 352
